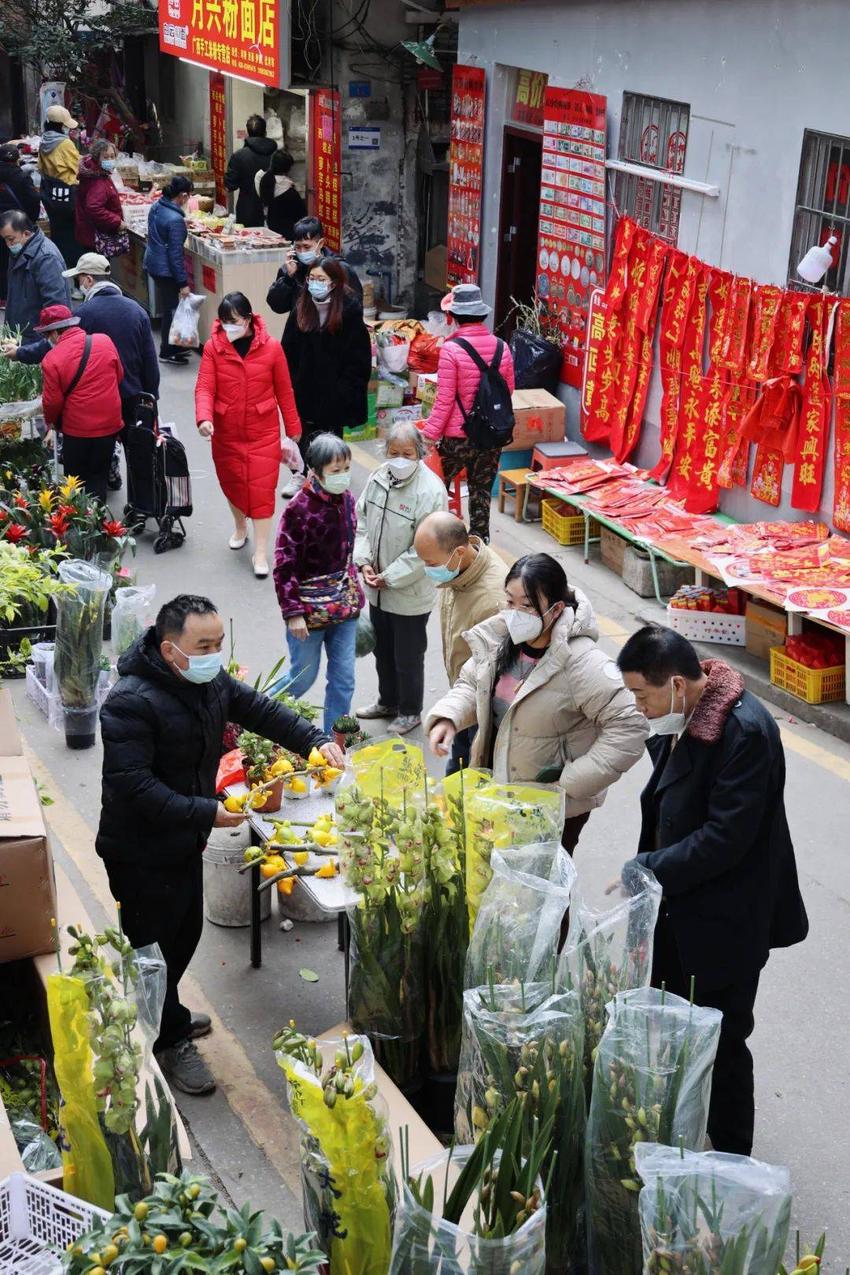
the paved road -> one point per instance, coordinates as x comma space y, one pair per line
800, 1043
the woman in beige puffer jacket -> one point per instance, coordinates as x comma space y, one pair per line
543, 694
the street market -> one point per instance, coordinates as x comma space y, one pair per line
509, 937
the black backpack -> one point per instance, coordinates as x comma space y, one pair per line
490, 420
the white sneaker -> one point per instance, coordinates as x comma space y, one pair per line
403, 725
293, 487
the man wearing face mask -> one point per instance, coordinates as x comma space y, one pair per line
35, 274
470, 579
162, 726
715, 834
308, 250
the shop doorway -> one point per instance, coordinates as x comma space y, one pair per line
522, 160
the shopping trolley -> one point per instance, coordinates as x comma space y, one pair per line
158, 483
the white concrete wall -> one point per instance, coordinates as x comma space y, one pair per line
755, 73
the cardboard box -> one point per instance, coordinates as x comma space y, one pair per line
27, 886
767, 626
436, 268
390, 394
426, 387
388, 416
613, 549
539, 418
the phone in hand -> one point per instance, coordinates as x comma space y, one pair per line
549, 774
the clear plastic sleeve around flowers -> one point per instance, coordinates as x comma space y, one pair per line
518, 926
37, 1149
651, 1083
424, 1242
528, 1041
78, 650
502, 816
705, 1212
347, 1174
131, 615
609, 952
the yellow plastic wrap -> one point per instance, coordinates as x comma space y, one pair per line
504, 817
86, 1159
344, 1158
388, 768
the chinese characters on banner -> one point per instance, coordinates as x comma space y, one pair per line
238, 36
571, 239
466, 174
529, 93
218, 135
326, 162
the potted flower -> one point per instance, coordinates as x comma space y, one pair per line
79, 654
344, 730
28, 585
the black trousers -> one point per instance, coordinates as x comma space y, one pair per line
167, 295
89, 460
731, 1113
164, 906
401, 642
461, 748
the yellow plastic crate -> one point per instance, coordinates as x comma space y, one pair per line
813, 685
567, 529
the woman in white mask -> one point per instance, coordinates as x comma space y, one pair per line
242, 382
398, 495
549, 704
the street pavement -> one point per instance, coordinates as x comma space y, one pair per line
243, 1133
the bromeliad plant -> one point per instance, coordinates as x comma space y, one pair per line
63, 516
180, 1227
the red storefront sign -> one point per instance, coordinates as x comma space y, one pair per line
218, 134
466, 174
571, 238
238, 36
326, 163
529, 93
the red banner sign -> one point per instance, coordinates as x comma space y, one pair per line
466, 174
326, 160
218, 134
529, 93
239, 36
571, 237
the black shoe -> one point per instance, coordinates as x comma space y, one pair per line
176, 360
185, 1069
201, 1026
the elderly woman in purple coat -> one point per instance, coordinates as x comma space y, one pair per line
317, 584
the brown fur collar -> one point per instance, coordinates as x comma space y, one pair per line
723, 689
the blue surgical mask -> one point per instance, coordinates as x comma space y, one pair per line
318, 289
202, 668
308, 258
338, 482
108, 165
15, 248
443, 574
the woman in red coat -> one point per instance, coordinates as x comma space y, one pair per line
98, 217
243, 387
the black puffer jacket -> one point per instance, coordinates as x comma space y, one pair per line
161, 749
330, 371
242, 168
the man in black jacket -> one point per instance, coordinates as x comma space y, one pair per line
308, 248
162, 727
714, 833
243, 166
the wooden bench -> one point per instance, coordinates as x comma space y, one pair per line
514, 482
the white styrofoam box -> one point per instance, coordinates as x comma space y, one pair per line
37, 1223
708, 626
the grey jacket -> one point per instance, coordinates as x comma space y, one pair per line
572, 711
35, 281
388, 513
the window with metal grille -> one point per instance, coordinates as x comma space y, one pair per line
654, 132
823, 207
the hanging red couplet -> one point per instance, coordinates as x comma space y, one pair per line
676, 306
814, 419
841, 389
682, 472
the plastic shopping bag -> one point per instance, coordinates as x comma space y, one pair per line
184, 325
131, 615
502, 817
527, 1042
708, 1211
609, 952
651, 1083
518, 926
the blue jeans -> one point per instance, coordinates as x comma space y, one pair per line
338, 641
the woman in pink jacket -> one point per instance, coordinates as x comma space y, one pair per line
457, 386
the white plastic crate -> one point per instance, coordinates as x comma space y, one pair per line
37, 1223
708, 626
36, 692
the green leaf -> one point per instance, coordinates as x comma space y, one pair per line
309, 976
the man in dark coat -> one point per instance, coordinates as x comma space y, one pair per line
308, 250
714, 833
242, 168
16, 192
35, 273
162, 727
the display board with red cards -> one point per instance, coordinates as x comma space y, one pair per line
571, 239
326, 160
466, 174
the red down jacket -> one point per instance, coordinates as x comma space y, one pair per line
93, 408
98, 206
242, 397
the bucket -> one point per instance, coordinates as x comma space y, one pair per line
227, 892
